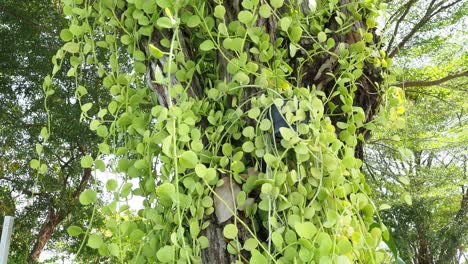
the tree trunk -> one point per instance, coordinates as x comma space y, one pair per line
48, 228
55, 217
316, 72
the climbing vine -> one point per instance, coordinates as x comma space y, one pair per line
241, 121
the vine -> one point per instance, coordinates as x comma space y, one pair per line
245, 118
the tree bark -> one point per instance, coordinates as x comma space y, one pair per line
55, 217
52, 221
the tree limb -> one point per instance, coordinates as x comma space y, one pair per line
432, 10
406, 8
432, 83
413, 31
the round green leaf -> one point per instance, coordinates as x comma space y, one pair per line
188, 159
74, 230
305, 230
207, 45
407, 198
111, 185
265, 11
257, 258
95, 241
276, 3
245, 17
165, 254
193, 21
322, 37
219, 11
248, 146
34, 163
250, 244
164, 22
66, 35
87, 161
230, 231
71, 47
88, 196
155, 52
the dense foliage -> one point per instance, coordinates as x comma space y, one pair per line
41, 202
239, 124
211, 146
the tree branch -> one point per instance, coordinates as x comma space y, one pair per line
431, 83
427, 16
406, 8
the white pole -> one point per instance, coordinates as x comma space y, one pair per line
6, 236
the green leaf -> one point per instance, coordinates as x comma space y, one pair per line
305, 230
295, 34
265, 11
248, 146
74, 230
71, 47
384, 207
86, 107
166, 192
265, 125
141, 164
322, 37
95, 241
188, 159
406, 153
165, 254
276, 3
155, 52
76, 30
257, 258
245, 17
219, 11
88, 196
39, 149
277, 240
66, 35
204, 243
111, 185
194, 228
87, 161
34, 163
344, 246
102, 131
114, 249
271, 160
193, 21
164, 22
200, 170
207, 45
284, 23
230, 231
250, 244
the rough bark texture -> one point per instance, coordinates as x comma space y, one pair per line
48, 228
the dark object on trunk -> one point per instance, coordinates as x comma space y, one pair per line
279, 121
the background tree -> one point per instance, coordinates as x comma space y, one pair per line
424, 157
421, 172
43, 204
